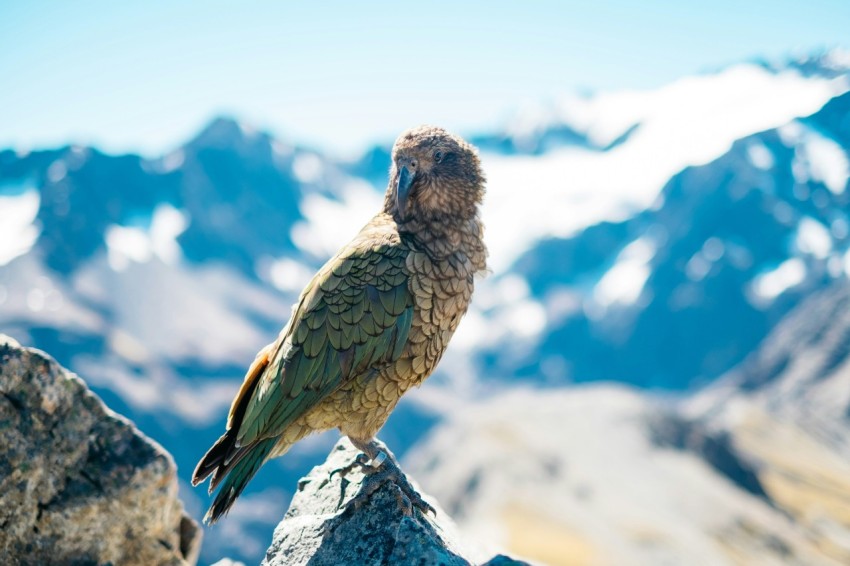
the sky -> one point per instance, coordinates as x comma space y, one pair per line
338, 75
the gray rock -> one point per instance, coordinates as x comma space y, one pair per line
317, 531
80, 484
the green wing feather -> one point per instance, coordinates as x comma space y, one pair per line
354, 315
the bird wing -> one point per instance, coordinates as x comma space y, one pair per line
353, 317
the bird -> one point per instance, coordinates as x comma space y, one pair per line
372, 323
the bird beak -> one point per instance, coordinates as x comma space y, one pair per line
402, 189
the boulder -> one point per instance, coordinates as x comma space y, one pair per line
79, 484
318, 530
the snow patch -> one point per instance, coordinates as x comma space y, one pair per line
307, 167
837, 59
503, 308
529, 122
813, 238
623, 283
770, 285
280, 149
700, 263
159, 389
525, 318
167, 224
697, 267
211, 313
125, 244
826, 160
791, 133
57, 171
329, 223
173, 161
689, 122
33, 293
18, 232
760, 156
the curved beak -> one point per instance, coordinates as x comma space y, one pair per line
402, 189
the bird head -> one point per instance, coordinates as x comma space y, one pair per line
434, 175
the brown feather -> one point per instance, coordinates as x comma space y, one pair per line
224, 454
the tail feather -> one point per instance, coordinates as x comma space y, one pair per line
229, 463
219, 460
215, 457
240, 473
226, 459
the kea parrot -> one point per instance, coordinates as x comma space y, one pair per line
372, 323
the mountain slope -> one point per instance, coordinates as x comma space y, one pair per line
680, 293
800, 372
600, 474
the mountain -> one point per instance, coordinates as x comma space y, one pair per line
604, 474
650, 237
752, 469
800, 373
676, 295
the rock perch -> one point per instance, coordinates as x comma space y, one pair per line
317, 531
80, 484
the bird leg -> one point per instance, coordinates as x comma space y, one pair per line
382, 469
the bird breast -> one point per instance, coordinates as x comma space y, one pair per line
442, 290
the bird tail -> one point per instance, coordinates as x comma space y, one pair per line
226, 456
222, 453
239, 472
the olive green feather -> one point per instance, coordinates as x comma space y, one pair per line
348, 318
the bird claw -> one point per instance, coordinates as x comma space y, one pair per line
409, 499
343, 471
383, 470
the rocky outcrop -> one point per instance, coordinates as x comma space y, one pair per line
669, 429
317, 531
80, 484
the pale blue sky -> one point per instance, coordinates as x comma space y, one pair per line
144, 76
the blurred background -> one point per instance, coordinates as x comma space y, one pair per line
657, 370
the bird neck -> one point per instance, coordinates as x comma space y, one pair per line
441, 237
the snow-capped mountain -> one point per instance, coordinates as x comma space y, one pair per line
677, 294
647, 237
752, 469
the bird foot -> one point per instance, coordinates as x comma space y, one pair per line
378, 469
406, 496
381, 470
361, 460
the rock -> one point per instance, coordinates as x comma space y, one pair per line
317, 531
669, 429
80, 484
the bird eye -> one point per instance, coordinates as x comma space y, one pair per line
438, 156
